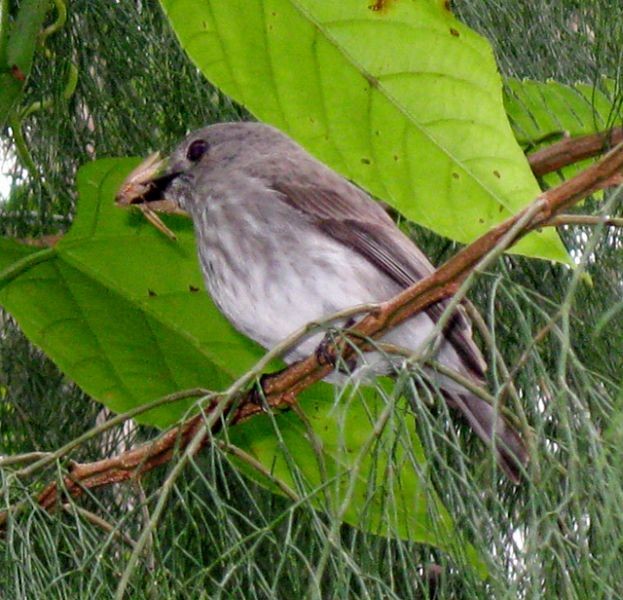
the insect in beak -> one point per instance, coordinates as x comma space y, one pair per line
144, 188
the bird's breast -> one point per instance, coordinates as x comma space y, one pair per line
270, 271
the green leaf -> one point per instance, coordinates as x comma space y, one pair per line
405, 101
539, 109
18, 49
120, 309
391, 495
542, 112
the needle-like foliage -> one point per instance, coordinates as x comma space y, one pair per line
113, 81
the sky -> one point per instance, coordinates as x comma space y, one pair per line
5, 186
5, 181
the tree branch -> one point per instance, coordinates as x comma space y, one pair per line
573, 149
585, 220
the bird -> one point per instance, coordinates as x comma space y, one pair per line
283, 240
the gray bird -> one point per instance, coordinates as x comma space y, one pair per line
283, 241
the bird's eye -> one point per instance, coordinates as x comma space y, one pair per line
196, 150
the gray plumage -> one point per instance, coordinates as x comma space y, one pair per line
283, 240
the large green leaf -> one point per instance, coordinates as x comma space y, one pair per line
399, 96
540, 109
120, 308
391, 495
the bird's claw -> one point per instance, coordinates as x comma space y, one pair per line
326, 352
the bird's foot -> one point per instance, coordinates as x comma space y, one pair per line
259, 393
327, 352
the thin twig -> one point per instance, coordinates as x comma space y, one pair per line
18, 459
255, 464
573, 149
332, 538
96, 520
527, 353
109, 465
196, 441
519, 417
49, 457
144, 508
585, 220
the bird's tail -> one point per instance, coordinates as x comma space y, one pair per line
510, 449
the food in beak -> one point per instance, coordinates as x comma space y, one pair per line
143, 189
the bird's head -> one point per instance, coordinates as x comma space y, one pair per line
166, 184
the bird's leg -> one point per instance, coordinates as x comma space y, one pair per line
325, 355
326, 351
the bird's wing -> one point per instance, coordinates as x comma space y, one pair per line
352, 217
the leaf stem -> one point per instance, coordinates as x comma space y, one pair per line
59, 23
24, 264
24, 154
68, 92
4, 33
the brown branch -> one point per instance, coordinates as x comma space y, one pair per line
281, 390
96, 520
573, 149
585, 220
125, 466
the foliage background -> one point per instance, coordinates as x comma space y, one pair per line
223, 535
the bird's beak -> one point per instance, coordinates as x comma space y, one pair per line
145, 188
146, 185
